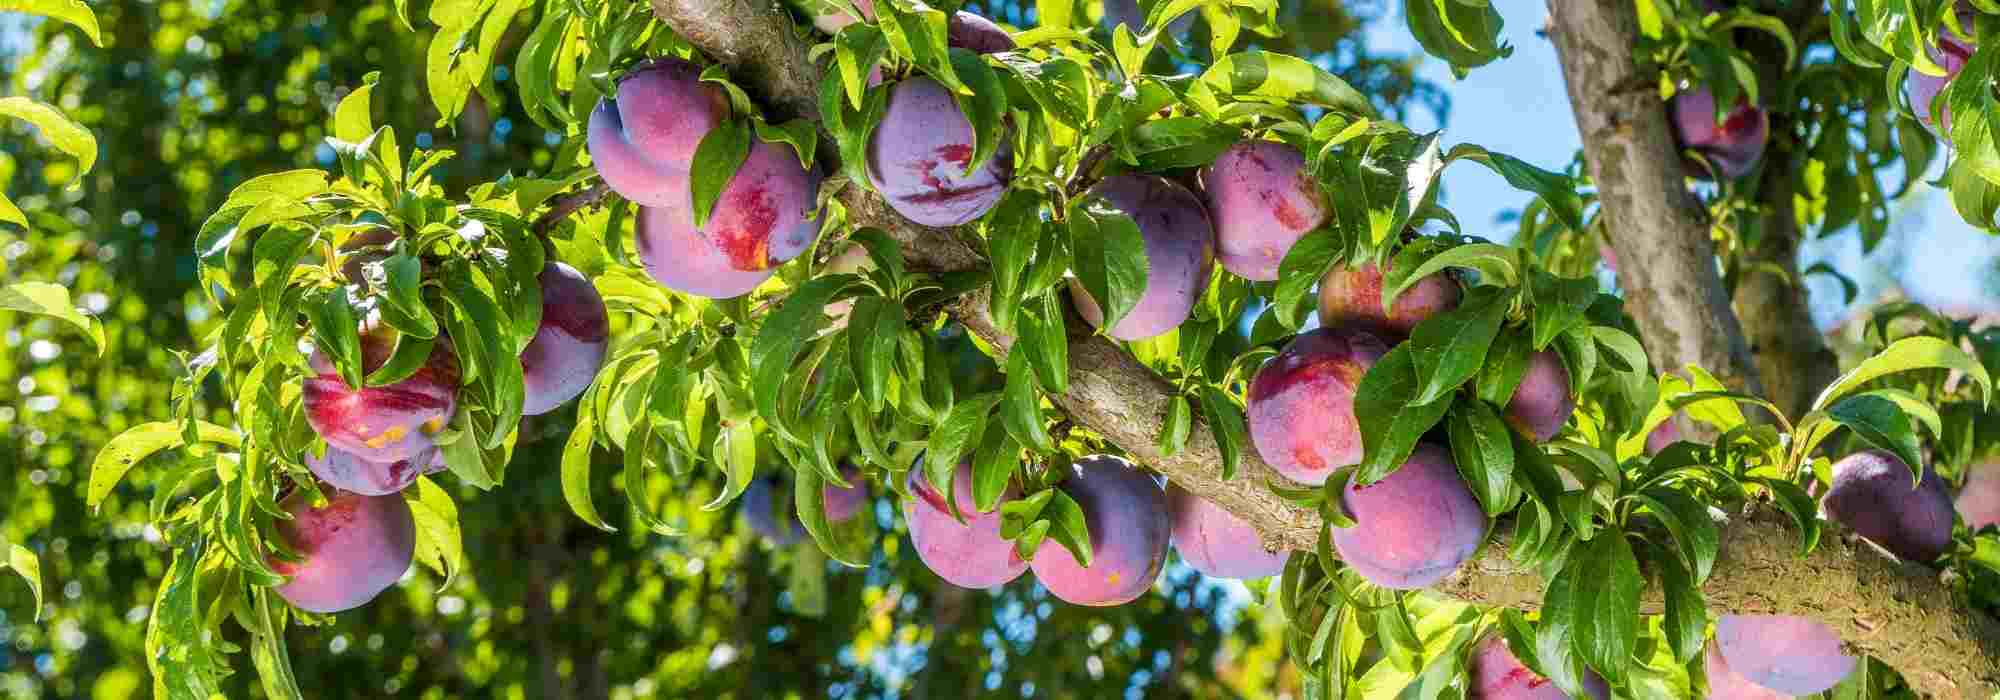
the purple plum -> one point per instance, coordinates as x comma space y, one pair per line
347, 472
977, 34
1126, 512
970, 554
1543, 401
349, 551
1216, 542
1353, 295
678, 257
767, 508
569, 345
919, 152
1301, 403
1180, 254
1732, 146
1494, 673
1872, 495
1951, 52
1415, 526
382, 424
1263, 202
643, 138
1666, 434
1979, 500
1788, 654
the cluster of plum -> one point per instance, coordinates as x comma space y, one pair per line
1752, 657
379, 439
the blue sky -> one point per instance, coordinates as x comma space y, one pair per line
1518, 106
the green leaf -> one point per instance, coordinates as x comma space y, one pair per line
402, 295
576, 474
1558, 304
1045, 340
351, 120
1021, 406
1284, 79
721, 152
1696, 537
436, 517
1174, 433
1485, 455
53, 301
1109, 256
785, 332
984, 105
136, 444
1449, 348
1918, 352
29, 566
999, 456
1390, 423
1798, 504
1495, 264
1603, 583
1686, 612
411, 354
68, 136
74, 12
1882, 423
1069, 526
1466, 36
1012, 231
1300, 270
955, 438
1226, 421
1557, 191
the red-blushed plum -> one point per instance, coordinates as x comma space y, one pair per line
1353, 295
919, 152
1301, 403
1543, 401
642, 140
1180, 254
1263, 202
1413, 527
678, 257
1129, 532
1726, 684
977, 34
969, 554
1872, 495
1666, 434
568, 347
833, 21
769, 513
1216, 542
1732, 146
765, 214
350, 473
349, 551
1979, 499
1788, 654
1494, 673
1951, 53
387, 423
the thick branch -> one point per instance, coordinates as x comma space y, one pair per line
1903, 615
1671, 285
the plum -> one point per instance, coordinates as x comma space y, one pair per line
382, 424
1726, 684
347, 472
1732, 146
1951, 53
642, 139
1872, 496
678, 257
1216, 542
1180, 254
969, 554
1413, 527
1351, 295
1543, 401
919, 152
1666, 434
1126, 511
349, 551
976, 34
1263, 201
1788, 654
1301, 403
769, 498
1494, 673
1979, 499
569, 345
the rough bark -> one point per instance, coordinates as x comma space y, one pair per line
1902, 614
1672, 287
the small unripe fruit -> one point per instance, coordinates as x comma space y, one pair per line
1126, 510
1217, 543
569, 345
1784, 653
1872, 496
350, 551
1263, 201
970, 554
1301, 403
1350, 296
1415, 526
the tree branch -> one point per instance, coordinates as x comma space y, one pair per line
1900, 613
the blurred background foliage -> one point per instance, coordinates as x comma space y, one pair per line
188, 99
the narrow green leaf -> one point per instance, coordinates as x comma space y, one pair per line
721, 152
29, 566
576, 474
53, 301
136, 444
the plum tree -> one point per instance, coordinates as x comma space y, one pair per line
676, 255
382, 424
1731, 145
1544, 399
1979, 498
967, 554
347, 472
1216, 542
1415, 526
1951, 52
1301, 403
569, 345
920, 152
1352, 295
1872, 495
1129, 532
1788, 654
1494, 673
643, 138
1180, 252
1263, 200
349, 550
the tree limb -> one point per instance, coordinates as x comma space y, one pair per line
1902, 614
